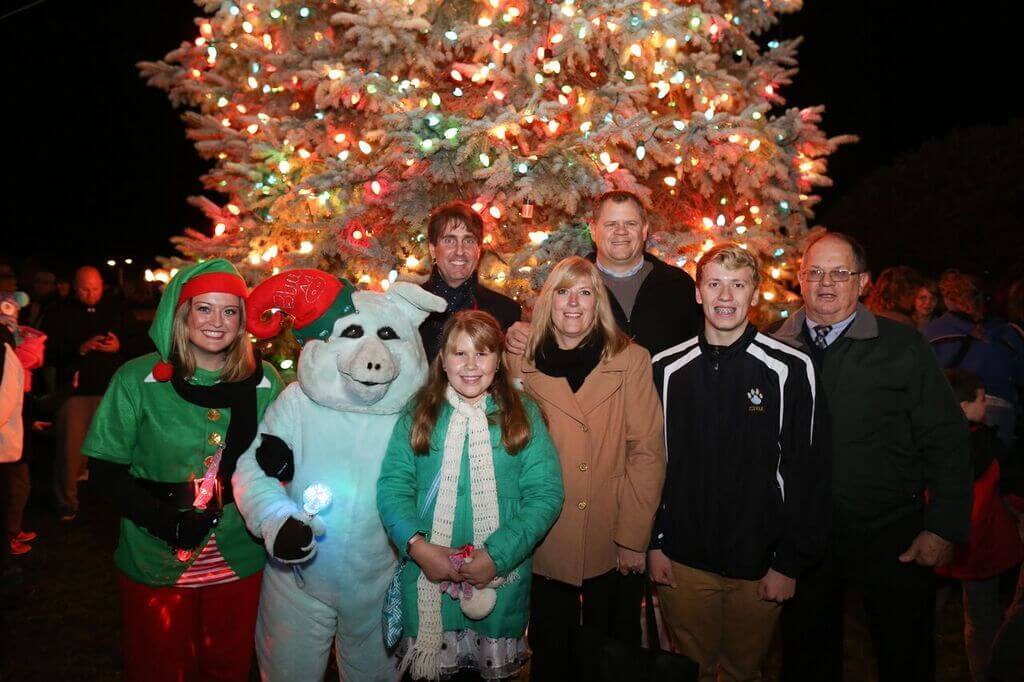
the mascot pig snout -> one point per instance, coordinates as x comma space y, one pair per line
372, 367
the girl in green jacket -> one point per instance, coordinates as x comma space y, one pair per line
474, 456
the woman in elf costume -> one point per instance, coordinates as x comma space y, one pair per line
164, 442
471, 464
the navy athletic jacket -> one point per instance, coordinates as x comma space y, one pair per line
747, 486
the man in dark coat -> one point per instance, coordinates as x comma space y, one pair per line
454, 237
653, 302
89, 338
901, 475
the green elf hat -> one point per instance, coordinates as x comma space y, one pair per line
313, 298
215, 275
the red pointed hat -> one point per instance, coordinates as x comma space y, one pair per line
214, 275
313, 298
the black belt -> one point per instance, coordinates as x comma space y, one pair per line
183, 494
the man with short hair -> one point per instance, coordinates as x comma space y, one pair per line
745, 505
901, 475
454, 238
88, 339
653, 302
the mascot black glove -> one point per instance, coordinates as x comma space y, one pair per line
294, 541
275, 458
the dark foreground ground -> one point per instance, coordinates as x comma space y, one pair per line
64, 625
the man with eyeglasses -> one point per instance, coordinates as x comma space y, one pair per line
901, 477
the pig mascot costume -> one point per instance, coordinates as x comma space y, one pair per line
325, 436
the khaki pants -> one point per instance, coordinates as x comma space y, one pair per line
718, 622
73, 420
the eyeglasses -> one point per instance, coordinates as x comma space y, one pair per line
837, 275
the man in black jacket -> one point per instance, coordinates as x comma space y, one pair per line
653, 302
454, 236
745, 504
89, 338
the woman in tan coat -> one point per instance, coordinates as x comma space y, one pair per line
595, 388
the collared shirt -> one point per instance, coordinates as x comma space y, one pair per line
837, 329
620, 275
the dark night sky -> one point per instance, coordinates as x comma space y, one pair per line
92, 152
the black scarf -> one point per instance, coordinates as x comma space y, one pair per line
240, 398
574, 364
462, 297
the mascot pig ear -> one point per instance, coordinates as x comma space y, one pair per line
415, 301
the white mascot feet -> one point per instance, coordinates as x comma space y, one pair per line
326, 435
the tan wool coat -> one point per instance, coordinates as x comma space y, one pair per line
611, 447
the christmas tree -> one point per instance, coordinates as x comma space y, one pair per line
335, 127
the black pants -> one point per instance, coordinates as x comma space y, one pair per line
899, 600
610, 607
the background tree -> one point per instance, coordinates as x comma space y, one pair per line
335, 127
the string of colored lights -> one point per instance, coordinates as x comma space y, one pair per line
335, 127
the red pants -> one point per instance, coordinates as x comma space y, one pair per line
182, 634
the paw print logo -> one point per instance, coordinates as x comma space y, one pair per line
755, 397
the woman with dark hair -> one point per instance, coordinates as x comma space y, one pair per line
596, 389
894, 293
164, 444
470, 471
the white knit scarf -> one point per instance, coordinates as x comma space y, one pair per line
424, 656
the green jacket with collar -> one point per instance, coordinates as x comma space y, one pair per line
897, 430
529, 490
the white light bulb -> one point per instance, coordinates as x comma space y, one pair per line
316, 498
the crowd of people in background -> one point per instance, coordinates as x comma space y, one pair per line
70, 336
869, 441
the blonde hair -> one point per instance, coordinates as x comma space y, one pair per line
485, 333
239, 359
570, 271
732, 257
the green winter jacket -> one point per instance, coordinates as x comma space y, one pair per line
143, 423
529, 487
897, 430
